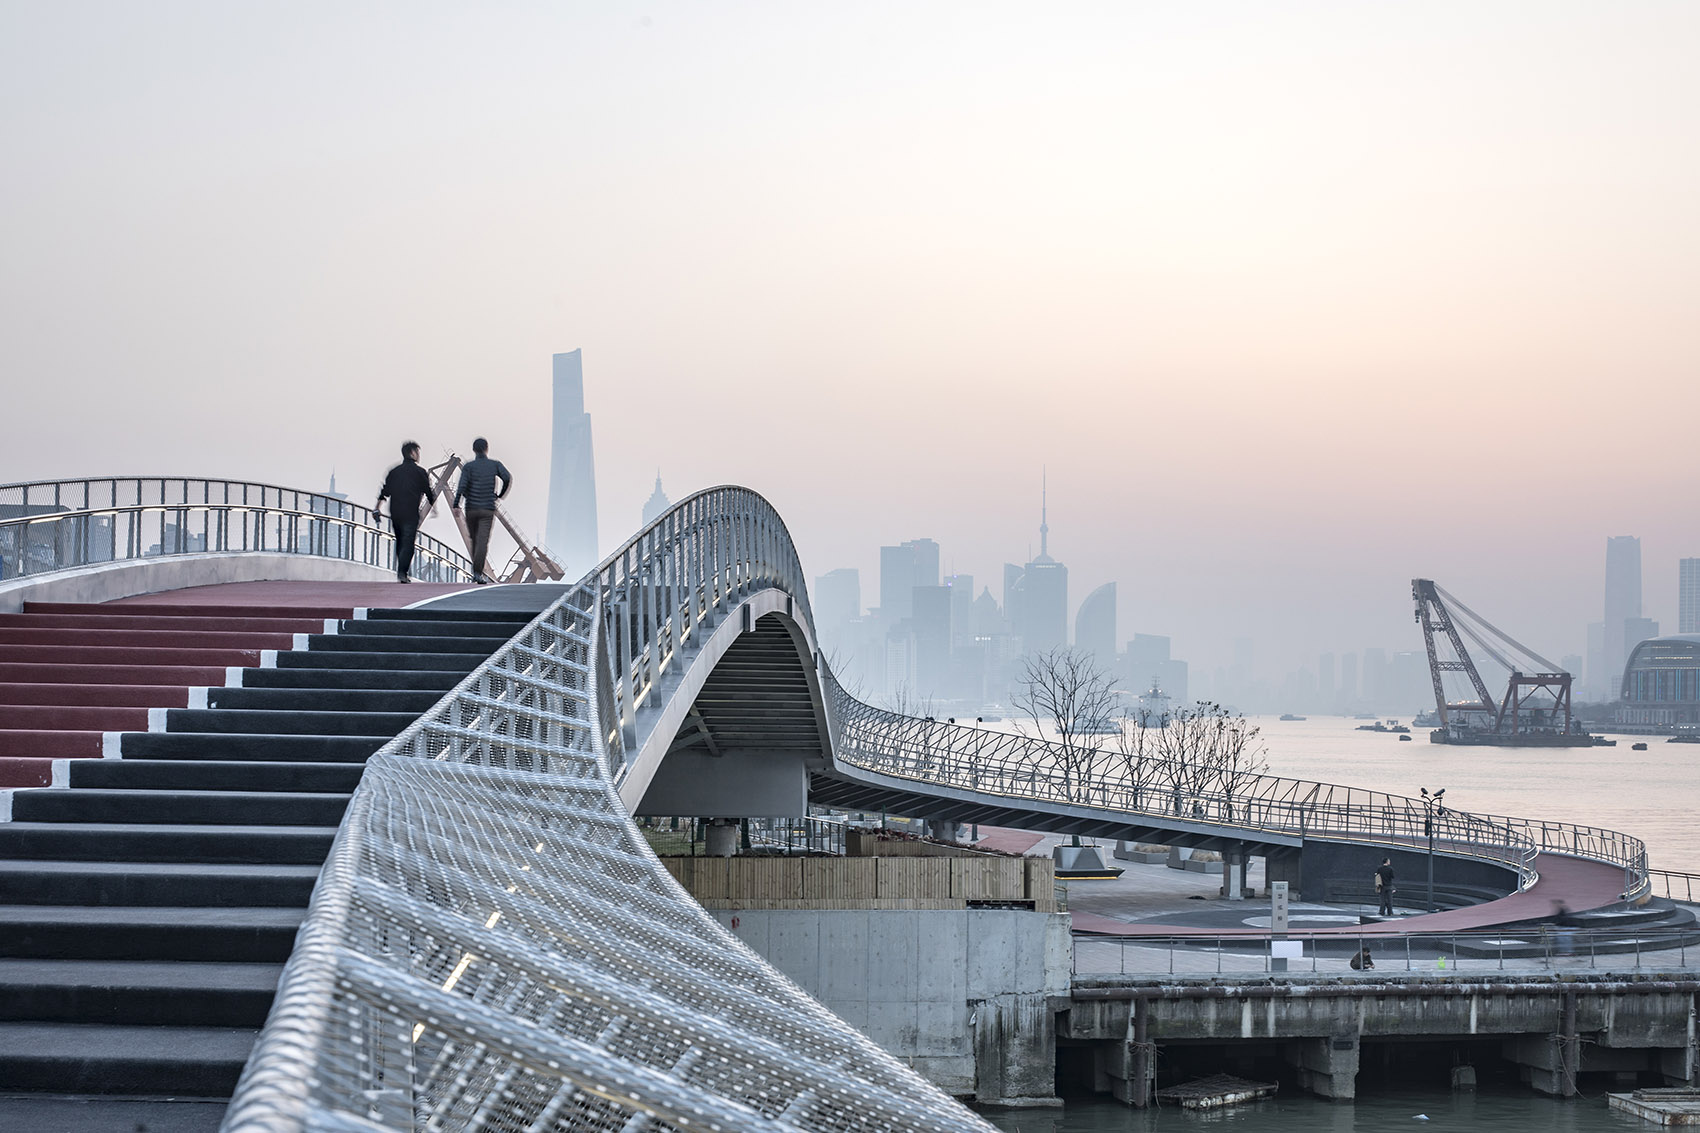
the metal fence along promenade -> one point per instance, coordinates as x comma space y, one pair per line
1013, 766
60, 524
492, 945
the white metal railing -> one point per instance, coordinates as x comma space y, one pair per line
492, 945
1015, 766
60, 524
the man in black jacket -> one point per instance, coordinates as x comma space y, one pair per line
478, 488
1384, 885
405, 486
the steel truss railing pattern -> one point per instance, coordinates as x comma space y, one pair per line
1014, 766
492, 945
60, 524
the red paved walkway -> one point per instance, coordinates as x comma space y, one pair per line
1581, 885
1007, 841
338, 595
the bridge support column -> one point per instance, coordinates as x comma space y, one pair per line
720, 837
1234, 873
1126, 1068
1327, 1067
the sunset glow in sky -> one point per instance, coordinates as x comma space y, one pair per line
1293, 301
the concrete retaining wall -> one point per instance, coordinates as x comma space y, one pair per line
103, 582
963, 996
867, 883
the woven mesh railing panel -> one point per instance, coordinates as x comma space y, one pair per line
493, 946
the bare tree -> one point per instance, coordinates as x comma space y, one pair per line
1237, 756
1205, 750
1136, 749
1065, 691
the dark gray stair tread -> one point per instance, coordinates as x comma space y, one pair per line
186, 976
284, 722
119, 918
256, 746
362, 659
252, 933
278, 777
322, 699
143, 800
165, 843
461, 628
79, 1057
93, 1114
433, 680
57, 882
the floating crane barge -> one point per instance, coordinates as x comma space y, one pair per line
1535, 710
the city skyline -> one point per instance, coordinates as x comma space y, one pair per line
1279, 348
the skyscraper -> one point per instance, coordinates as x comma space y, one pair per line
1040, 616
1688, 596
1095, 626
1623, 601
657, 504
570, 529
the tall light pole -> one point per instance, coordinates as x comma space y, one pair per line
1431, 807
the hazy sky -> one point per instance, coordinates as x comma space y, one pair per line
1295, 301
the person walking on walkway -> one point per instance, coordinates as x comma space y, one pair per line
1384, 885
406, 485
478, 488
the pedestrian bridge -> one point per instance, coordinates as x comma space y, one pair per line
490, 943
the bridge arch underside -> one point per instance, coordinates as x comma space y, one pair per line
754, 730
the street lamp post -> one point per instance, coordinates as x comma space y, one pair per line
1431, 807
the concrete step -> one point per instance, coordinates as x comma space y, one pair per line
119, 673
301, 677
341, 659
169, 993
494, 631
111, 842
186, 610
155, 883
322, 700
187, 638
50, 743
280, 722
96, 695
125, 655
69, 717
85, 1113
288, 749
381, 643
215, 775
166, 932
103, 619
86, 1058
197, 807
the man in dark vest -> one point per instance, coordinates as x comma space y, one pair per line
405, 487
478, 488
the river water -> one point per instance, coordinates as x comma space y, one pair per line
1513, 1108
1652, 795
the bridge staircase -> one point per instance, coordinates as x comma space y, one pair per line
148, 902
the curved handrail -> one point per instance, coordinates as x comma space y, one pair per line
1013, 765
56, 525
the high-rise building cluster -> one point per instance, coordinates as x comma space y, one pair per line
1612, 639
933, 643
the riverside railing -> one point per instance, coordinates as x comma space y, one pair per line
1171, 793
492, 945
59, 524
1528, 949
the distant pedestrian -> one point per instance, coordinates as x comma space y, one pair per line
478, 488
1384, 885
1362, 960
406, 486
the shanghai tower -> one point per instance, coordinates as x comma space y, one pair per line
570, 531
